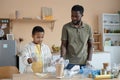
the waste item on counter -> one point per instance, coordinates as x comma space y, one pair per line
89, 72
59, 70
105, 65
97, 77
41, 74
71, 72
104, 72
106, 69
115, 70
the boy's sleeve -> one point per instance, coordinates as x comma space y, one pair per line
25, 56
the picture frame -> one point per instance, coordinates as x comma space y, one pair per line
10, 37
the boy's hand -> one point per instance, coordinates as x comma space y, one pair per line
29, 60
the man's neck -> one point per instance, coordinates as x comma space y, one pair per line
78, 25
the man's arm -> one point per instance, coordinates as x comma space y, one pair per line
64, 39
63, 47
90, 50
90, 45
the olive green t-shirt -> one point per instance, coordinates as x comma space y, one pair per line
77, 39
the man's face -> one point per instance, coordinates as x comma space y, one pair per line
76, 17
38, 37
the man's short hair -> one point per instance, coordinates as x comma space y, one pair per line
78, 8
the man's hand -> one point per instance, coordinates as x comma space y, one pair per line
30, 60
88, 63
63, 48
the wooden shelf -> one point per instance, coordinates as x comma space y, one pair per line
96, 42
34, 20
111, 34
96, 34
113, 46
97, 51
112, 24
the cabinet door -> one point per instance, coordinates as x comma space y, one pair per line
99, 58
115, 54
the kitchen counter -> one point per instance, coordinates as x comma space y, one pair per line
48, 76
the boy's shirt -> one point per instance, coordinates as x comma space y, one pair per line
37, 66
42, 51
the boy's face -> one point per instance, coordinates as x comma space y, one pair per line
38, 37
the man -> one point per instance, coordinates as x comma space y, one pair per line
77, 39
36, 55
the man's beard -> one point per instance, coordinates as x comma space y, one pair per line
76, 22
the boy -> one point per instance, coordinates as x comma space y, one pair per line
36, 55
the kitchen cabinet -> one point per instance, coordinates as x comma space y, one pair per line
97, 42
109, 25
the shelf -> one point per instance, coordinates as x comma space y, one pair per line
112, 34
97, 50
96, 42
112, 24
113, 46
96, 34
110, 14
35, 20
109, 25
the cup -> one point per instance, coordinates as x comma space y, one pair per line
59, 70
105, 65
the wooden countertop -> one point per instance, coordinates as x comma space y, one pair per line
48, 76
